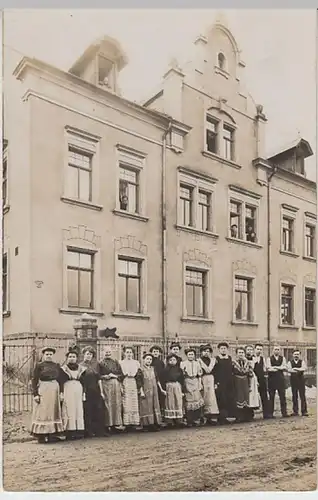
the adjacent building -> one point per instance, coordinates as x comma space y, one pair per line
162, 219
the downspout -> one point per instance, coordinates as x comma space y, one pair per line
164, 291
269, 260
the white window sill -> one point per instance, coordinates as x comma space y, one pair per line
192, 229
196, 319
309, 328
130, 215
288, 327
310, 259
244, 323
130, 315
78, 311
81, 203
290, 254
222, 72
5, 209
244, 242
216, 157
6, 314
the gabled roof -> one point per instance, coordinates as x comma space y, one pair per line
105, 44
299, 144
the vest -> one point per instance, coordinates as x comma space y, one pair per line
299, 375
276, 362
259, 368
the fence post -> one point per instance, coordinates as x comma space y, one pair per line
85, 331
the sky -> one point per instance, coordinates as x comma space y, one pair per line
278, 47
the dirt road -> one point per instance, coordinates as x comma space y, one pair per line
262, 455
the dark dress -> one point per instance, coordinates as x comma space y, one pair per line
93, 404
159, 367
260, 372
225, 388
112, 391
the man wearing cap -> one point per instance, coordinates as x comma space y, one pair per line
47, 418
224, 383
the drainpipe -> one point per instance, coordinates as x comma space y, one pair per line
269, 249
164, 291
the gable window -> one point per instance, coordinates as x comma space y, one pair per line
221, 61
129, 285
310, 307
228, 142
288, 234
211, 134
243, 298
80, 278
4, 283
195, 282
128, 189
195, 203
106, 72
287, 304
310, 237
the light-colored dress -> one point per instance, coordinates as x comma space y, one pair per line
72, 407
192, 377
209, 397
132, 375
112, 392
149, 405
254, 397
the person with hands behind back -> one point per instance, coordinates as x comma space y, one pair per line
46, 418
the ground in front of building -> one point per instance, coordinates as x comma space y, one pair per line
272, 455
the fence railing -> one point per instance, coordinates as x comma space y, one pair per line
20, 357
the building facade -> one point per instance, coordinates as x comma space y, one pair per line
160, 219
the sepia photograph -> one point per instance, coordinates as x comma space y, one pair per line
159, 250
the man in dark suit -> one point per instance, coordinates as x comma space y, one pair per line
261, 374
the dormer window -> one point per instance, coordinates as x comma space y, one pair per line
106, 72
221, 61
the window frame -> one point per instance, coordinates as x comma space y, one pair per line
138, 277
6, 309
310, 223
201, 267
222, 120
244, 201
197, 185
202, 287
306, 325
91, 272
135, 161
87, 144
251, 279
292, 216
282, 284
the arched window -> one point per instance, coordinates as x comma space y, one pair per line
221, 61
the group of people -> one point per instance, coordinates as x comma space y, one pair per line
91, 398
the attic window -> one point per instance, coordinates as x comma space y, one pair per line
221, 61
300, 165
106, 72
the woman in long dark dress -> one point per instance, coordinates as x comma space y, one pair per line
159, 367
72, 394
150, 415
46, 418
242, 370
93, 404
111, 384
224, 384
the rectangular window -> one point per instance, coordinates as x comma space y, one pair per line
5, 182
204, 222
79, 174
310, 307
309, 240
311, 358
288, 234
250, 223
195, 292
228, 142
105, 72
236, 219
186, 201
128, 189
4, 282
243, 299
80, 278
129, 281
211, 135
287, 304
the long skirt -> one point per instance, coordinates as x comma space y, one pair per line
94, 413
47, 416
72, 408
149, 405
112, 401
209, 397
130, 402
174, 404
242, 391
254, 399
